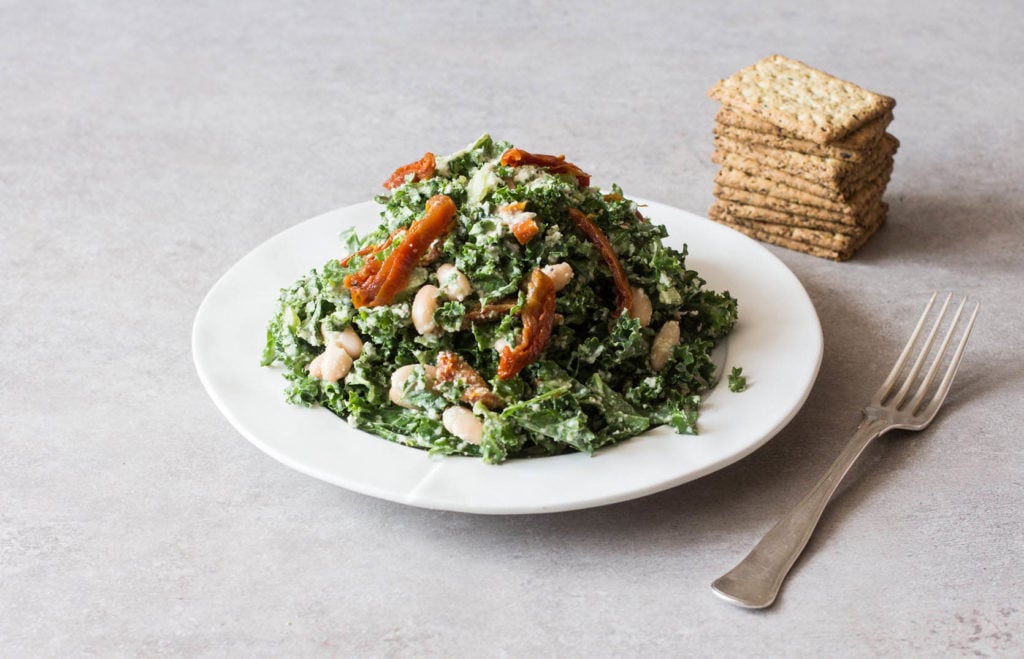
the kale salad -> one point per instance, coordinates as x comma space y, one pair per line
503, 308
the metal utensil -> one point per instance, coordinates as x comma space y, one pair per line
756, 580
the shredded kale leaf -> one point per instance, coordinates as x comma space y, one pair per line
594, 383
737, 381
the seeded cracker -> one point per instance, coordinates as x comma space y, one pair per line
803, 101
837, 240
837, 191
808, 166
863, 138
840, 242
807, 248
803, 210
790, 143
783, 194
739, 211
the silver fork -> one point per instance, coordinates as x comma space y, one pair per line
755, 582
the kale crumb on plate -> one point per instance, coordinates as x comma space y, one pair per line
737, 381
503, 308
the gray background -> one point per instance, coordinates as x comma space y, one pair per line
145, 147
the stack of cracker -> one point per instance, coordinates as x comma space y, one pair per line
805, 157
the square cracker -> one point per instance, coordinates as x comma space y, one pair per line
872, 188
803, 101
812, 167
868, 200
807, 248
746, 136
863, 138
823, 234
816, 237
738, 211
839, 191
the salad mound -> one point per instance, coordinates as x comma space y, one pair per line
503, 308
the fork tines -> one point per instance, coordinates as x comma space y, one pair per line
926, 401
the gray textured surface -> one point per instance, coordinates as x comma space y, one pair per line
145, 147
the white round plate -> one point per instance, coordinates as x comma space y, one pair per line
777, 342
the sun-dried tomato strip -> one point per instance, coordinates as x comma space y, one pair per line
623, 291
488, 313
373, 249
452, 367
525, 231
422, 170
538, 316
377, 283
492, 313
554, 164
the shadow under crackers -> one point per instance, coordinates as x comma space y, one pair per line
942, 227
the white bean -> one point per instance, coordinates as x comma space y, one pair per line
335, 363
560, 274
460, 422
423, 307
349, 340
641, 308
454, 284
401, 374
315, 367
666, 339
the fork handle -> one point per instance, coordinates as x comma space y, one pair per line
756, 580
